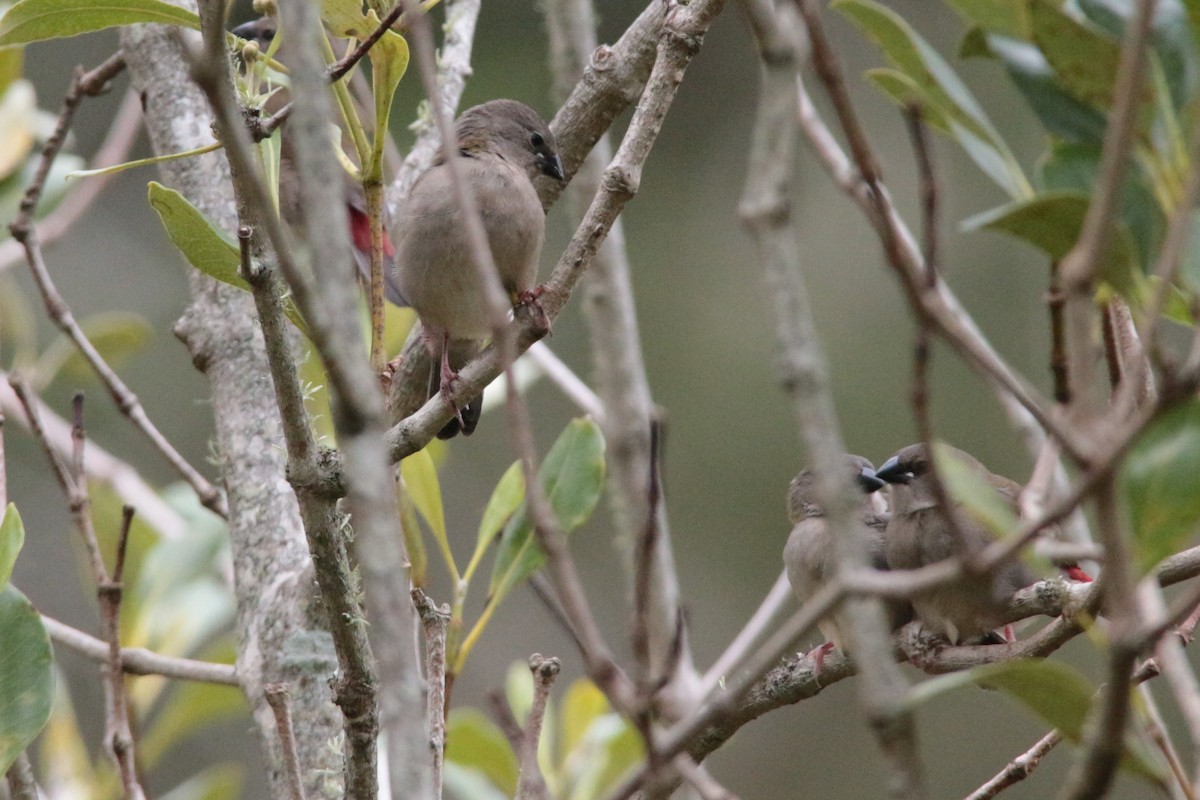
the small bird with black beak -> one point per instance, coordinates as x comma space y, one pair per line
810, 555
504, 148
920, 532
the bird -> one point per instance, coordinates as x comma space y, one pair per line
263, 31
810, 556
505, 146
968, 611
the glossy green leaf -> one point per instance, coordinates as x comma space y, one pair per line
475, 742
1083, 56
1052, 222
26, 675
1061, 113
1077, 166
37, 20
346, 19
116, 335
203, 246
912, 56
572, 479
1161, 483
12, 537
503, 503
1005, 17
12, 60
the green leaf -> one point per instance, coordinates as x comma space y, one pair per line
912, 56
1057, 693
475, 742
1083, 56
503, 503
26, 675
977, 496
421, 482
1051, 222
204, 246
610, 749
1061, 113
1171, 40
389, 61
12, 537
994, 16
1077, 166
582, 705
346, 19
116, 335
469, 784
1161, 483
37, 20
572, 478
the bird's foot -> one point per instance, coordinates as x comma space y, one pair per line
532, 299
387, 373
818, 658
448, 378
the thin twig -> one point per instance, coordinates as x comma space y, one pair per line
277, 699
140, 661
530, 784
1018, 769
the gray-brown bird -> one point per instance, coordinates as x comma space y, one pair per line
263, 32
920, 533
505, 146
810, 555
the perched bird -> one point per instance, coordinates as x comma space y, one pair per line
810, 555
504, 146
263, 31
920, 533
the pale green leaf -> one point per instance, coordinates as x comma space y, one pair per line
475, 742
12, 537
503, 503
977, 496
203, 246
26, 675
37, 20
1161, 483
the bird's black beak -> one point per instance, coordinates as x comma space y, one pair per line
247, 30
892, 472
868, 482
550, 164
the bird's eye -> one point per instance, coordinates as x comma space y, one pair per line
918, 468
536, 139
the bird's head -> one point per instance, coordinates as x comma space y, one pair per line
802, 495
513, 131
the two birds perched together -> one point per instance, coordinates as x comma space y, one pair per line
504, 146
914, 532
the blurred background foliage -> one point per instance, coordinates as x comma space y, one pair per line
709, 345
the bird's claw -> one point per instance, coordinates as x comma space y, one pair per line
532, 299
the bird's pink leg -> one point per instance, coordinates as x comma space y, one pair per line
447, 375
